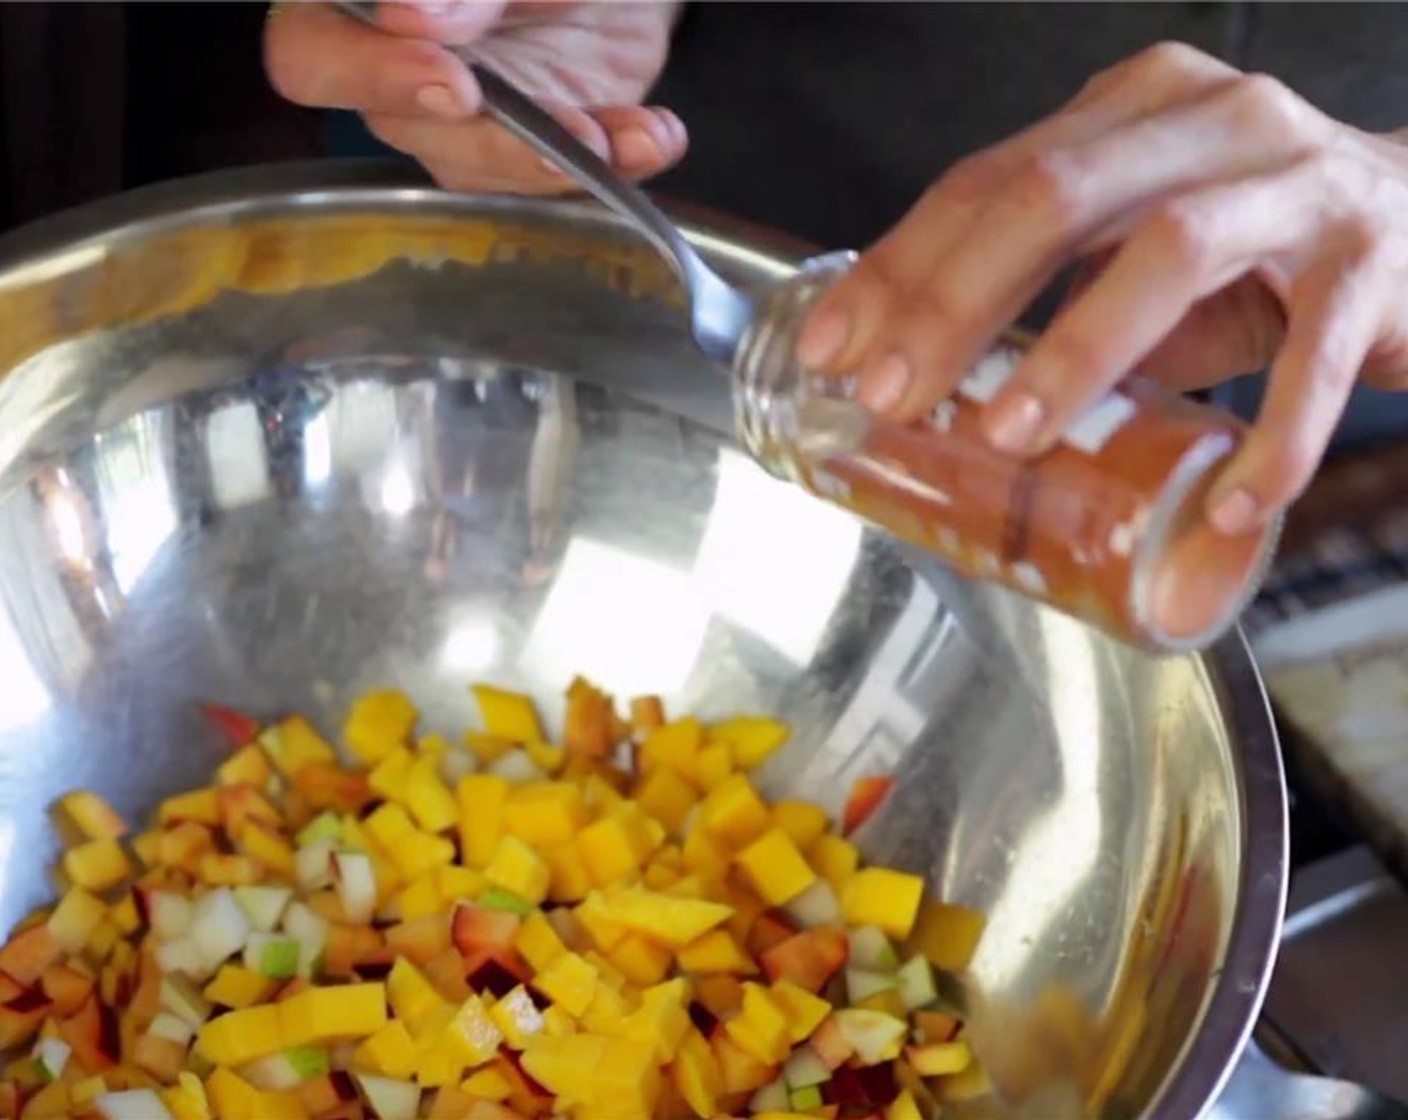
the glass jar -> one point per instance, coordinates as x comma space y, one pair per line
1107, 526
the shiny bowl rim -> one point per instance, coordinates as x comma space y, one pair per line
1252, 940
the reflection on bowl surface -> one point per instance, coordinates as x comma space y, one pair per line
282, 445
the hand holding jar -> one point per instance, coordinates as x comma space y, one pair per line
1225, 224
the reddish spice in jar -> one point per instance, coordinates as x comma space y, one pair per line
1107, 526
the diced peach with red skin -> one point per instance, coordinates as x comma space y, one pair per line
768, 929
506, 959
324, 1094
809, 959
328, 786
863, 800
21, 1017
240, 804
587, 728
420, 940
66, 987
92, 1032
346, 946
236, 728
11, 1100
28, 953
474, 928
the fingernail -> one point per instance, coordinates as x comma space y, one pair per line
1016, 423
823, 337
1234, 513
678, 133
635, 146
884, 383
440, 101
550, 167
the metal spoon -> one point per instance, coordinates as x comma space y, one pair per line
719, 313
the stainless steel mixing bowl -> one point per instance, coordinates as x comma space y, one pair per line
271, 438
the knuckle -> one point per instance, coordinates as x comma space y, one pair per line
968, 182
1052, 186
1185, 235
1263, 104
1169, 59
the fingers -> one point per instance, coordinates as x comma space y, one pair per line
1334, 318
1187, 250
1040, 219
845, 324
318, 57
477, 154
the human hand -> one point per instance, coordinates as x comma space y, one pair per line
590, 63
1224, 222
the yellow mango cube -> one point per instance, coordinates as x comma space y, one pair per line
414, 853
238, 987
761, 1027
706, 855
835, 859
388, 777
775, 868
903, 1107
487, 1085
803, 1010
413, 998
230, 1096
327, 1014
268, 849
734, 813
570, 982
518, 868
881, 897
674, 745
92, 816
428, 798
389, 1052
517, 1018
387, 824
714, 953
802, 822
488, 749
481, 800
662, 1019
378, 723
542, 813
508, 715
712, 766
537, 942
640, 960
421, 897
568, 878
457, 883
698, 1076
663, 918
201, 806
615, 847
667, 797
752, 739
97, 865
947, 934
242, 1036
473, 1033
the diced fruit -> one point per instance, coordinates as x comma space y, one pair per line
508, 715
181, 998
815, 906
751, 739
938, 1059
355, 880
671, 921
389, 1099
830, 1044
947, 934
132, 1104
28, 953
803, 1010
74, 920
516, 867
263, 907
271, 955
170, 914
218, 926
238, 987
885, 898
92, 816
875, 1037
863, 800
775, 868
916, 983
809, 959
716, 951
734, 812
861, 984
871, 949
771, 1098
